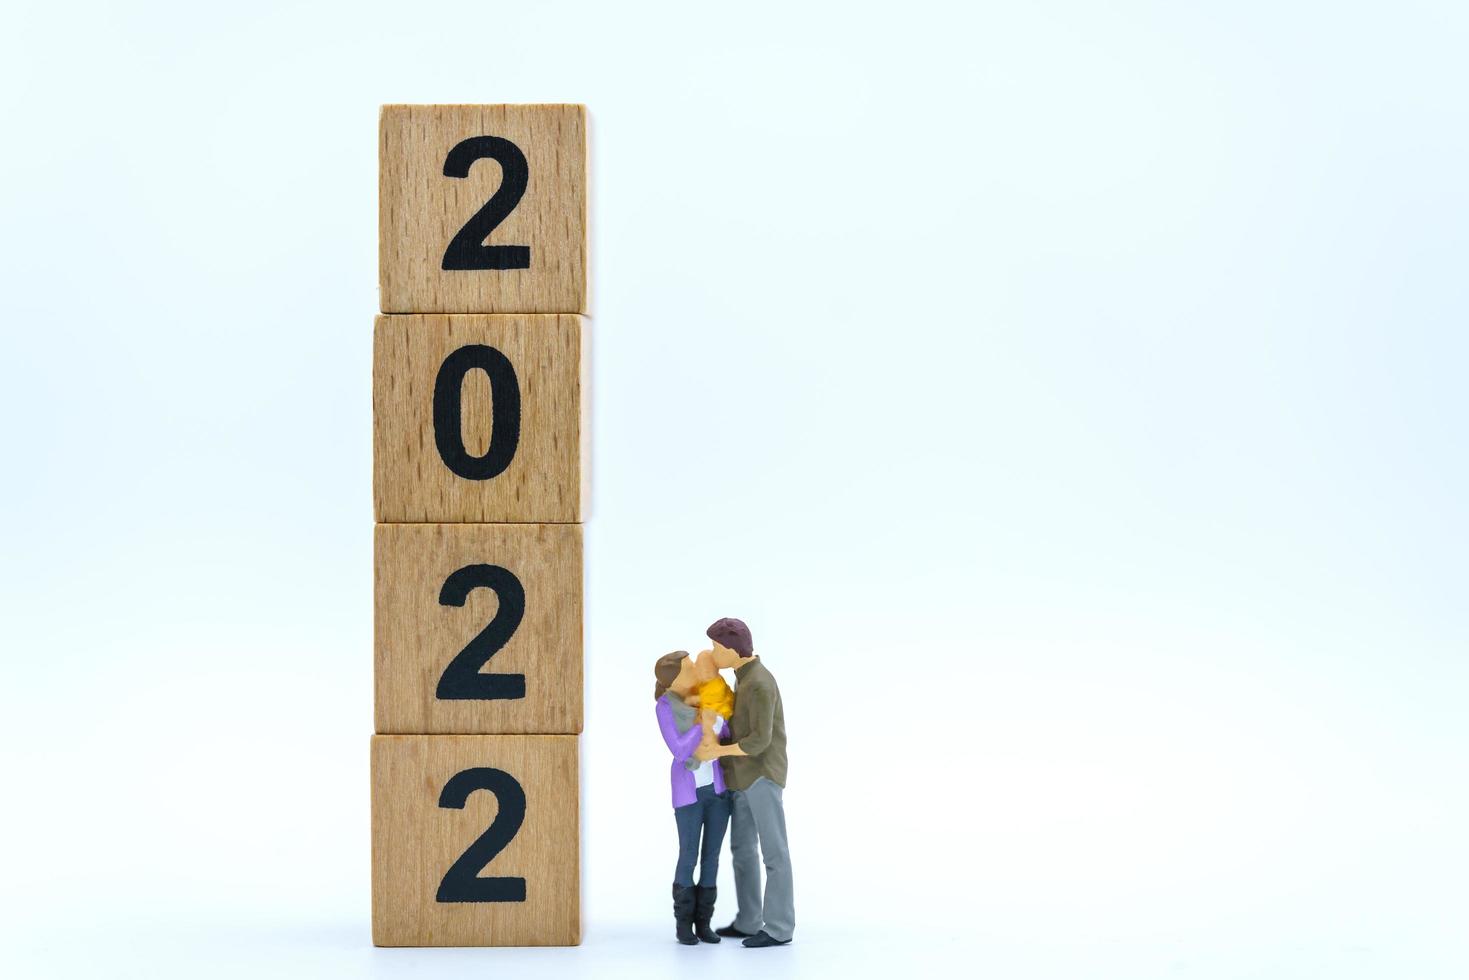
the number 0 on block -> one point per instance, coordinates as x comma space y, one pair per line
479, 418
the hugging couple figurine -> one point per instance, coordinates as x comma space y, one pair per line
729, 768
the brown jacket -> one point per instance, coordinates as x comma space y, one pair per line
759, 726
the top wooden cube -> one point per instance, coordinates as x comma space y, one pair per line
483, 209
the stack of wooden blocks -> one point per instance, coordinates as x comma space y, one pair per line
479, 489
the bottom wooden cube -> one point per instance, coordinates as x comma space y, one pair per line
475, 840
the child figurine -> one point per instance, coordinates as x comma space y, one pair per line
700, 803
714, 695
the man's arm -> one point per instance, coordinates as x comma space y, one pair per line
762, 730
713, 750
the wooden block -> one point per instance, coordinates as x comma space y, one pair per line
475, 840
479, 418
483, 209
478, 628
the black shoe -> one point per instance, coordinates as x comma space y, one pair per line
732, 932
683, 914
703, 912
762, 938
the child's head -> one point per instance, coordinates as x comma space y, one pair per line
705, 669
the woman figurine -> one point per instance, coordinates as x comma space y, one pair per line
700, 803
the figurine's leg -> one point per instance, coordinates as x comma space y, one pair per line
689, 820
744, 852
766, 803
716, 825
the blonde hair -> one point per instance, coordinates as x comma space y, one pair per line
715, 696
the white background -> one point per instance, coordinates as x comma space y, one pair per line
1070, 396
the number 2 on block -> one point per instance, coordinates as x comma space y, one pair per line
467, 250
461, 883
462, 680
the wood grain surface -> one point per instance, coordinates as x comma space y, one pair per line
421, 209
415, 840
546, 481
417, 635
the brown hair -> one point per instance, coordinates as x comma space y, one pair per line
665, 671
734, 634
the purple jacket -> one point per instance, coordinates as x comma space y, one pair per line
682, 746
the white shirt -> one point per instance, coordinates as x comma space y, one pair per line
704, 775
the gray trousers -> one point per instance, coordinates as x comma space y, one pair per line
757, 835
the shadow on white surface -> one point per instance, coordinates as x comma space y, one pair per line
342, 949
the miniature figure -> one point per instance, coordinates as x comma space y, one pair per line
701, 804
755, 768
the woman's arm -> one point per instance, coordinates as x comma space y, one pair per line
682, 746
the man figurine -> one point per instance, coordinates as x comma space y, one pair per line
755, 771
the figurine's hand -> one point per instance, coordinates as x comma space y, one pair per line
708, 747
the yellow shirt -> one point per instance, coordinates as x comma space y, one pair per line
717, 697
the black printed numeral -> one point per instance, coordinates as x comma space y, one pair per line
462, 680
468, 251
449, 412
462, 882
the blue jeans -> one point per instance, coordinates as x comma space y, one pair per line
708, 813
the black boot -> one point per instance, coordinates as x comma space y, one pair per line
732, 932
703, 912
683, 914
